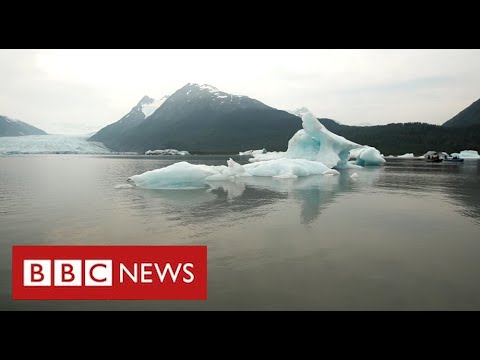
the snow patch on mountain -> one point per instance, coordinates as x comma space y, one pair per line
150, 107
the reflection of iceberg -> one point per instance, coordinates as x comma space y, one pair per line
311, 151
251, 196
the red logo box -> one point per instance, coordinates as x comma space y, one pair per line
109, 272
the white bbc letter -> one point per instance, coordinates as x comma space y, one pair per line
98, 272
67, 272
37, 273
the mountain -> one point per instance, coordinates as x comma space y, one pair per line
201, 118
12, 127
396, 139
467, 117
111, 134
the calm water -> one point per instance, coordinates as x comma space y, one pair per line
403, 236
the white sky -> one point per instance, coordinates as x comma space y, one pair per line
80, 91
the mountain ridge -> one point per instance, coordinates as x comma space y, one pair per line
13, 127
467, 117
205, 119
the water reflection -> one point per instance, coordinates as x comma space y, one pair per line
458, 182
249, 197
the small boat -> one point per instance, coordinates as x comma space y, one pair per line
454, 159
433, 159
435, 156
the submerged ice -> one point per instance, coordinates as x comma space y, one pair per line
313, 150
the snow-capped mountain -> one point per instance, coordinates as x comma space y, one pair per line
13, 127
50, 144
110, 134
203, 118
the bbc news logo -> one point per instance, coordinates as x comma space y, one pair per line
109, 272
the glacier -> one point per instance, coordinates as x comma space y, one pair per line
50, 144
313, 150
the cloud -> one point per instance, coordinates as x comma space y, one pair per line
55, 106
84, 90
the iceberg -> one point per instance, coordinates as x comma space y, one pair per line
367, 156
252, 152
313, 150
183, 175
167, 152
406, 156
467, 154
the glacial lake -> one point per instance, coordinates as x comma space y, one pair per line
404, 236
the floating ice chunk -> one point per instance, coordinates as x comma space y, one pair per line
183, 175
354, 176
167, 152
179, 175
331, 172
123, 186
367, 156
406, 156
272, 155
252, 152
469, 154
314, 142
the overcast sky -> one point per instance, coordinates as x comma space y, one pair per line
80, 91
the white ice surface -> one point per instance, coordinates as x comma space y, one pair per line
367, 156
183, 175
406, 156
468, 154
167, 152
50, 144
252, 152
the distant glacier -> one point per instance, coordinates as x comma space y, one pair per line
50, 144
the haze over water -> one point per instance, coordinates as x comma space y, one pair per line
402, 236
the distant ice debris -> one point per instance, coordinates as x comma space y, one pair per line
313, 150
468, 154
252, 152
123, 186
406, 156
167, 152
